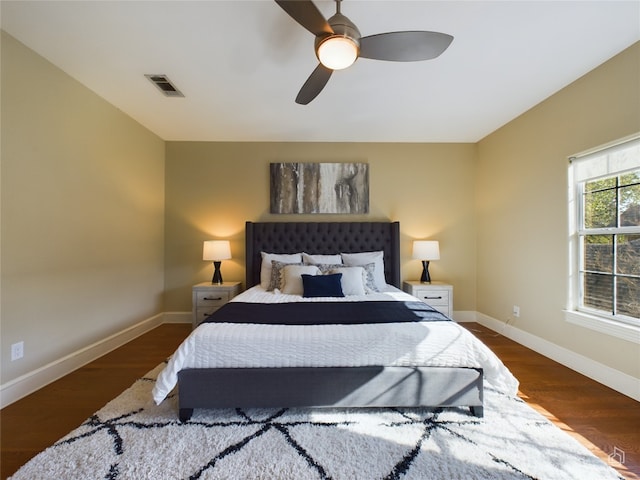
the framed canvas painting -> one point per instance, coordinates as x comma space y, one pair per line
319, 188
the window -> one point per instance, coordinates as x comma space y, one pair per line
605, 239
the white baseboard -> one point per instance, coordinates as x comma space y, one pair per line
30, 382
612, 378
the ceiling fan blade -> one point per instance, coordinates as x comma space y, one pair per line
314, 84
409, 46
306, 14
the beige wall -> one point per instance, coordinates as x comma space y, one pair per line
213, 188
522, 206
82, 214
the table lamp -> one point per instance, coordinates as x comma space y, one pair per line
216, 251
426, 250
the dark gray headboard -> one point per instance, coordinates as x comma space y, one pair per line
323, 238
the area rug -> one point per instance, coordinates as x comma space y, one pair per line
132, 438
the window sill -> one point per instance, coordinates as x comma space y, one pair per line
629, 333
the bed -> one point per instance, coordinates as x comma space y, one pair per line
343, 378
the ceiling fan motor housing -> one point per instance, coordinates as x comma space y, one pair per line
342, 27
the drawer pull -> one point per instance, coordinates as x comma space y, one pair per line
432, 298
209, 298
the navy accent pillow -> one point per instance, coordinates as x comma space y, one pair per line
322, 285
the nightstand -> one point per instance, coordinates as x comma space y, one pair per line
437, 294
208, 297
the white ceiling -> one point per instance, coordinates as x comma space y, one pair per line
240, 64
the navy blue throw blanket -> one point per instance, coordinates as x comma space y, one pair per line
326, 313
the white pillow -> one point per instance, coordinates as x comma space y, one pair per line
352, 280
315, 259
267, 258
362, 258
292, 278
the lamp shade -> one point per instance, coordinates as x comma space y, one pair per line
216, 250
426, 250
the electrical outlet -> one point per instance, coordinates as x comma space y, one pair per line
516, 311
17, 351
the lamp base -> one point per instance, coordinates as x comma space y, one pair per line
425, 278
217, 275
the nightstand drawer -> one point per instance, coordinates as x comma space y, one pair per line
203, 312
433, 298
437, 294
211, 299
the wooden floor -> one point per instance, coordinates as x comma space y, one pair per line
600, 418
597, 416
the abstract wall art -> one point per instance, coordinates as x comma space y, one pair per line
319, 188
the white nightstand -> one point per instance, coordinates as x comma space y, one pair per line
437, 294
208, 297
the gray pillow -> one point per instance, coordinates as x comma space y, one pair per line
276, 274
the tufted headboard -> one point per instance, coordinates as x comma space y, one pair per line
323, 238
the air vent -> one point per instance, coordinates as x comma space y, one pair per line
164, 85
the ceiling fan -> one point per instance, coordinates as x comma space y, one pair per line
338, 44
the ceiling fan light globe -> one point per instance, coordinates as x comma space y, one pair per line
337, 52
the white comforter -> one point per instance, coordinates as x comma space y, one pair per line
436, 344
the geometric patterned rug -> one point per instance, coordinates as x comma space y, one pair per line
132, 438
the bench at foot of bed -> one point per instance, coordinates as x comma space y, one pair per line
330, 387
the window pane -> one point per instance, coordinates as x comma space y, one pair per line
630, 206
600, 184
630, 178
598, 253
598, 292
600, 209
629, 297
628, 251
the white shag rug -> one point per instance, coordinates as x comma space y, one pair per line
132, 438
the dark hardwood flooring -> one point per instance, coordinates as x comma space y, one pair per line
597, 416
31, 424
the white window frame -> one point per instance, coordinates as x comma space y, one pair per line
600, 162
